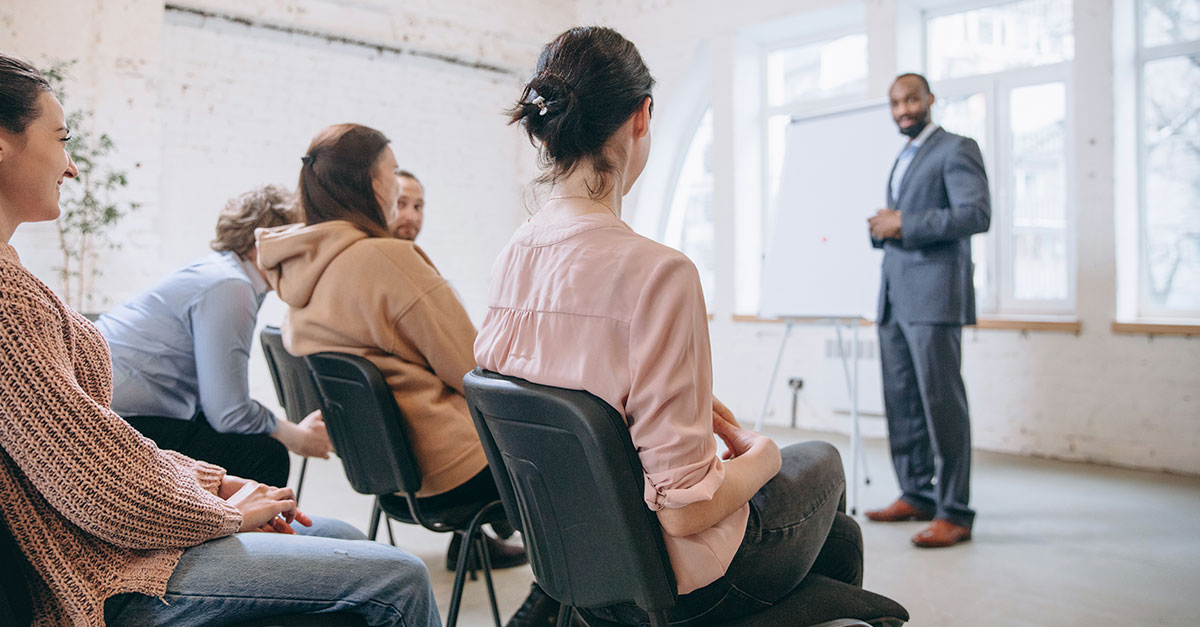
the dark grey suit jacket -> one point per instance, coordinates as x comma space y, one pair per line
944, 199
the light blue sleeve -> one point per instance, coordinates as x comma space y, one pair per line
222, 320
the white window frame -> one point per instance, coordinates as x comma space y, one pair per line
997, 88
672, 225
1144, 55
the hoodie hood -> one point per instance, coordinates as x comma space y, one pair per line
295, 256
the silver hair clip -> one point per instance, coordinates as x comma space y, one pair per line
541, 105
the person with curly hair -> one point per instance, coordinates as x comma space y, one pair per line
181, 350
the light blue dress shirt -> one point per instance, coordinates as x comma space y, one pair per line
184, 346
906, 156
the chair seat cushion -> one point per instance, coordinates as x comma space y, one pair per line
455, 516
819, 599
816, 601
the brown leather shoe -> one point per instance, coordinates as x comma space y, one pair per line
941, 533
898, 511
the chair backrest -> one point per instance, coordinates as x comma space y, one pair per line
366, 427
563, 460
293, 383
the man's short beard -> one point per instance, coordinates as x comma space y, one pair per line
914, 129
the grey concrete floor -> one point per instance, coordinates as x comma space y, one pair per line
1055, 543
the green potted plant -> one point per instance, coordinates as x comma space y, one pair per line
91, 206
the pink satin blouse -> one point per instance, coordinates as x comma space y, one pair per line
586, 303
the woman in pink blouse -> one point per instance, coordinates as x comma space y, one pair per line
578, 300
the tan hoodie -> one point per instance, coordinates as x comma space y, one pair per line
381, 298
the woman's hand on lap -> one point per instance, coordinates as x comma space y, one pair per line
739, 441
265, 508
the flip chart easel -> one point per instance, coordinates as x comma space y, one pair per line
820, 267
858, 458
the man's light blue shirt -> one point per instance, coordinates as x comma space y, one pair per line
183, 346
906, 156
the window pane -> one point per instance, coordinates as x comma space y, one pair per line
991, 39
1037, 186
1039, 266
690, 221
777, 126
820, 70
1169, 21
981, 255
1171, 131
964, 115
968, 115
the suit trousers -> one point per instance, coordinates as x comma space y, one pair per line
929, 427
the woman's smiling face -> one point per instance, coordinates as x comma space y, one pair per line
33, 166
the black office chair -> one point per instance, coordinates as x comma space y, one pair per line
293, 385
564, 464
370, 436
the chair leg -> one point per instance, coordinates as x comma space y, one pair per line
472, 560
658, 619
473, 568
460, 571
486, 560
376, 512
391, 538
460, 576
564, 615
300, 482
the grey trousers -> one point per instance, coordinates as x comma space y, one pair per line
929, 427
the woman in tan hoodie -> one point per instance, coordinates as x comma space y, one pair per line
352, 287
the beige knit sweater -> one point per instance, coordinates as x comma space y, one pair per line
97, 509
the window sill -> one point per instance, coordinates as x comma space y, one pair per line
800, 319
1156, 328
1051, 324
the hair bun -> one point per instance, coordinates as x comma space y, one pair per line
588, 82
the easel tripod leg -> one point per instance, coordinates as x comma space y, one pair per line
762, 415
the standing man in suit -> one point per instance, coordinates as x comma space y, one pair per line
938, 198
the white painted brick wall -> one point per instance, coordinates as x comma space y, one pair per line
205, 108
240, 105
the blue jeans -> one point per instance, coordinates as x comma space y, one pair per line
248, 576
795, 527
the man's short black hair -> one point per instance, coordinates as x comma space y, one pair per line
924, 83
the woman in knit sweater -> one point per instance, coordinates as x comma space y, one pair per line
111, 528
